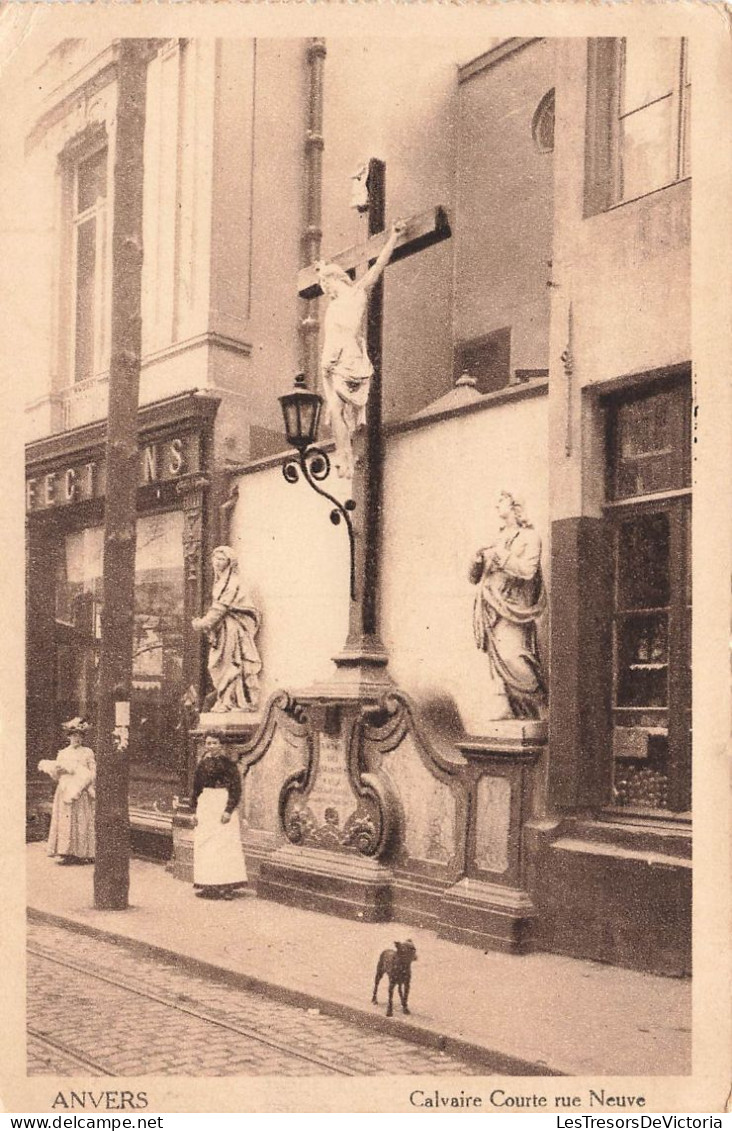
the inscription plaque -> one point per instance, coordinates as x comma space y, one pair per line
331, 800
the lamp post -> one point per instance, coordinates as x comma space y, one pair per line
301, 411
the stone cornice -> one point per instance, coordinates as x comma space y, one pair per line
498, 54
192, 408
96, 74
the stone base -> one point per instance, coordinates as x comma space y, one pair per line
256, 848
417, 900
331, 882
180, 864
38, 805
258, 845
229, 721
488, 916
506, 734
617, 893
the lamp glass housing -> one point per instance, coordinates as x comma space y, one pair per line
301, 412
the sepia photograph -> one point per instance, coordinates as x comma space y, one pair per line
373, 566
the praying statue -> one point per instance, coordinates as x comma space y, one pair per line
346, 369
231, 625
510, 599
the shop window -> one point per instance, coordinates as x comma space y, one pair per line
157, 657
638, 112
650, 445
157, 660
87, 184
649, 456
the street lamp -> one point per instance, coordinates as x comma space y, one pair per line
301, 411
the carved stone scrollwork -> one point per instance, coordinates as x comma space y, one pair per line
393, 724
395, 719
376, 837
363, 821
340, 798
280, 713
192, 529
191, 488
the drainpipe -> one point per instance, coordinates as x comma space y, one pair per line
313, 232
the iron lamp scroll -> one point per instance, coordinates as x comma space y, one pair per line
301, 411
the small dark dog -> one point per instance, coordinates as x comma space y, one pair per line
397, 965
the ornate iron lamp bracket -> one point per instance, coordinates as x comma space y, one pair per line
314, 464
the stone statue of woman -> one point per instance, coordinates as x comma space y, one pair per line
510, 599
346, 369
230, 625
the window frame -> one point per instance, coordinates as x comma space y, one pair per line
677, 157
96, 212
671, 717
81, 149
676, 502
603, 126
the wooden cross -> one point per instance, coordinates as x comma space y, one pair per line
364, 653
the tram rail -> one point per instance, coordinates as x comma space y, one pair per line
190, 1011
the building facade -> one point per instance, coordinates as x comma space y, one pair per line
543, 349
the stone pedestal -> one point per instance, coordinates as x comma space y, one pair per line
236, 729
489, 907
338, 819
374, 817
38, 804
235, 726
316, 879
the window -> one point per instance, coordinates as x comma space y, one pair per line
649, 512
488, 359
639, 95
157, 662
89, 238
542, 126
653, 114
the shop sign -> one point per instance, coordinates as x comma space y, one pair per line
160, 461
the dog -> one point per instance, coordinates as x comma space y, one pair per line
397, 965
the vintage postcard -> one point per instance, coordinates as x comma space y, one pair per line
367, 444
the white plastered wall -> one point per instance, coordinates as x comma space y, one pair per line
440, 489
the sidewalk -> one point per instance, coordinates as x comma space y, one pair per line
537, 1014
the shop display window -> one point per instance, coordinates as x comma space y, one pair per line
649, 512
157, 679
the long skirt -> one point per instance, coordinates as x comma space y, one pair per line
512, 652
72, 827
218, 858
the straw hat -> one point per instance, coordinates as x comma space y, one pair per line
75, 726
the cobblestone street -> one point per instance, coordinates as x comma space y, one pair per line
157, 1020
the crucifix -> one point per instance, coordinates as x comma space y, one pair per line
364, 655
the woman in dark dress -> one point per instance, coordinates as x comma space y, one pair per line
218, 858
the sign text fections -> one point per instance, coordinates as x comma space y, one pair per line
160, 461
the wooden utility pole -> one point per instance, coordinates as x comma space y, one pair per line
112, 868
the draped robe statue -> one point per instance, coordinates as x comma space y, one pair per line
231, 625
510, 599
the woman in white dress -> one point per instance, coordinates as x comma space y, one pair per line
218, 857
71, 836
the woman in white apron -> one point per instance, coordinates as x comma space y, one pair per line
218, 858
